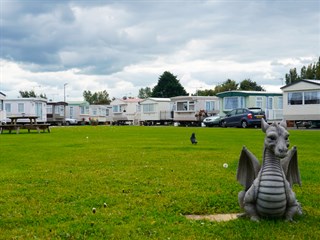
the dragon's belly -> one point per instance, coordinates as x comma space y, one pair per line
271, 199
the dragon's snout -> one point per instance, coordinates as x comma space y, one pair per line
281, 151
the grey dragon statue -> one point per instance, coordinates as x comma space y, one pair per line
268, 188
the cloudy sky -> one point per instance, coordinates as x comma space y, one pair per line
122, 46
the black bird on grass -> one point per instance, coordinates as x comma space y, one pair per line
193, 138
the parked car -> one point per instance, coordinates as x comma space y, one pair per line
214, 120
243, 117
71, 121
307, 124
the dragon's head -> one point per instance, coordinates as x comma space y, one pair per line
277, 137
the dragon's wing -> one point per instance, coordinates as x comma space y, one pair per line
248, 168
290, 167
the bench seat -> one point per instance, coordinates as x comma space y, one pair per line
17, 127
10, 127
37, 127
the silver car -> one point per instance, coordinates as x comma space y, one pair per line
71, 121
214, 120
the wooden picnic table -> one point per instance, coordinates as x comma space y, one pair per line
31, 125
32, 119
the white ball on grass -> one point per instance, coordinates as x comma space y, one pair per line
225, 165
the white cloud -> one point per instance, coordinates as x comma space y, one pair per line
123, 46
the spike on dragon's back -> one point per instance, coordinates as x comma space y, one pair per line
268, 187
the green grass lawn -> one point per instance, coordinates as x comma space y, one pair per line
149, 178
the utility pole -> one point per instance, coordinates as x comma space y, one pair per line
64, 99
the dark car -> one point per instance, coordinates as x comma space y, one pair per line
243, 117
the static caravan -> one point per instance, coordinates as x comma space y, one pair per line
191, 110
301, 101
270, 102
79, 111
56, 112
156, 111
100, 113
126, 111
26, 106
3, 114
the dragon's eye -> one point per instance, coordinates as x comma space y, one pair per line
272, 137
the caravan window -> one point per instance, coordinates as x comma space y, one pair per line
280, 103
7, 107
148, 107
210, 106
259, 102
59, 110
295, 98
312, 97
270, 102
20, 107
230, 103
116, 109
84, 110
49, 109
191, 106
185, 106
71, 112
182, 106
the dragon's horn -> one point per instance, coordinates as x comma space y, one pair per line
264, 125
283, 123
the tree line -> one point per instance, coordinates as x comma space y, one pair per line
312, 71
169, 86
31, 94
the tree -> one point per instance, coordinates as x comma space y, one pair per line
168, 86
31, 94
101, 97
206, 92
303, 72
317, 71
27, 94
87, 95
43, 95
310, 72
228, 85
248, 85
144, 92
292, 76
